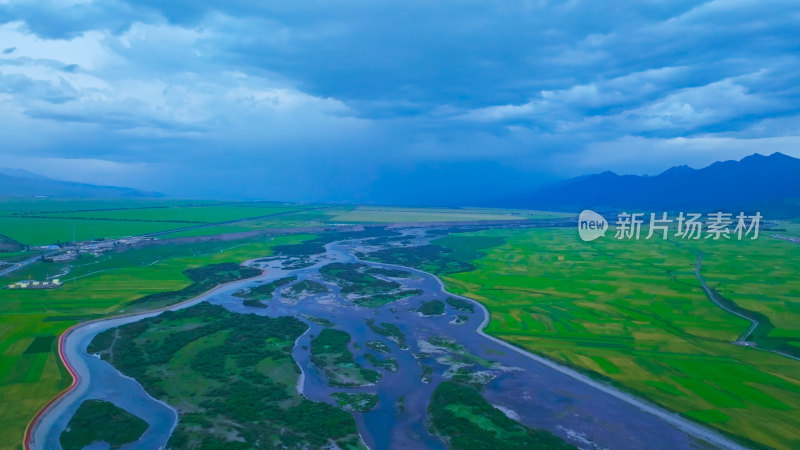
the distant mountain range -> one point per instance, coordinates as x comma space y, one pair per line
21, 183
769, 184
755, 183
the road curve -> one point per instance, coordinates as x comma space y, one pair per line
714, 298
31, 427
696, 430
754, 323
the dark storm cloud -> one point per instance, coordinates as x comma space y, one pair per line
285, 97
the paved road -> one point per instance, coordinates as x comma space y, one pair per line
22, 264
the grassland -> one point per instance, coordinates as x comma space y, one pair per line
191, 214
306, 288
330, 352
388, 363
231, 376
311, 218
316, 216
203, 279
254, 296
55, 205
465, 420
44, 221
633, 313
431, 308
96, 287
101, 421
451, 254
42, 231
363, 214
355, 402
389, 331
363, 288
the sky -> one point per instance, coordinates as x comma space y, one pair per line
375, 101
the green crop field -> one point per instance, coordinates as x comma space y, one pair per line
629, 312
201, 214
311, 217
55, 205
46, 221
96, 286
387, 215
322, 216
633, 313
41, 231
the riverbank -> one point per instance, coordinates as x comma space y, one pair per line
32, 424
580, 409
673, 418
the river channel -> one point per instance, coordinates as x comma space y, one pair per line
536, 392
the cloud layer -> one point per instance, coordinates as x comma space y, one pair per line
353, 100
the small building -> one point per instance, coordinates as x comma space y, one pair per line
33, 284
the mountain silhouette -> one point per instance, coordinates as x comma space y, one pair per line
20, 183
755, 183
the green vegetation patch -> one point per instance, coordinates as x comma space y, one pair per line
355, 402
40, 344
465, 420
390, 273
387, 330
460, 304
41, 230
254, 295
96, 286
330, 353
317, 245
365, 289
101, 421
378, 346
232, 376
306, 287
203, 279
353, 280
375, 301
431, 308
73, 318
389, 364
317, 320
451, 254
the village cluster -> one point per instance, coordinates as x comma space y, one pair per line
69, 252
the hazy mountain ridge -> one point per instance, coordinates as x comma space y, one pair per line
756, 182
20, 183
